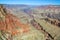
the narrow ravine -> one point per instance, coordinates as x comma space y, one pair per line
39, 27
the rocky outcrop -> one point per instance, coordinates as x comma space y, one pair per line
10, 24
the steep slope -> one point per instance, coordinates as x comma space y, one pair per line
9, 23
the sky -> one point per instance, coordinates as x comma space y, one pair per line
31, 2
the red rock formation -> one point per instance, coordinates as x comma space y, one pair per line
11, 24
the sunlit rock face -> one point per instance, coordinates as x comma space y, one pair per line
9, 23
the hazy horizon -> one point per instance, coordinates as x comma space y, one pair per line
31, 2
